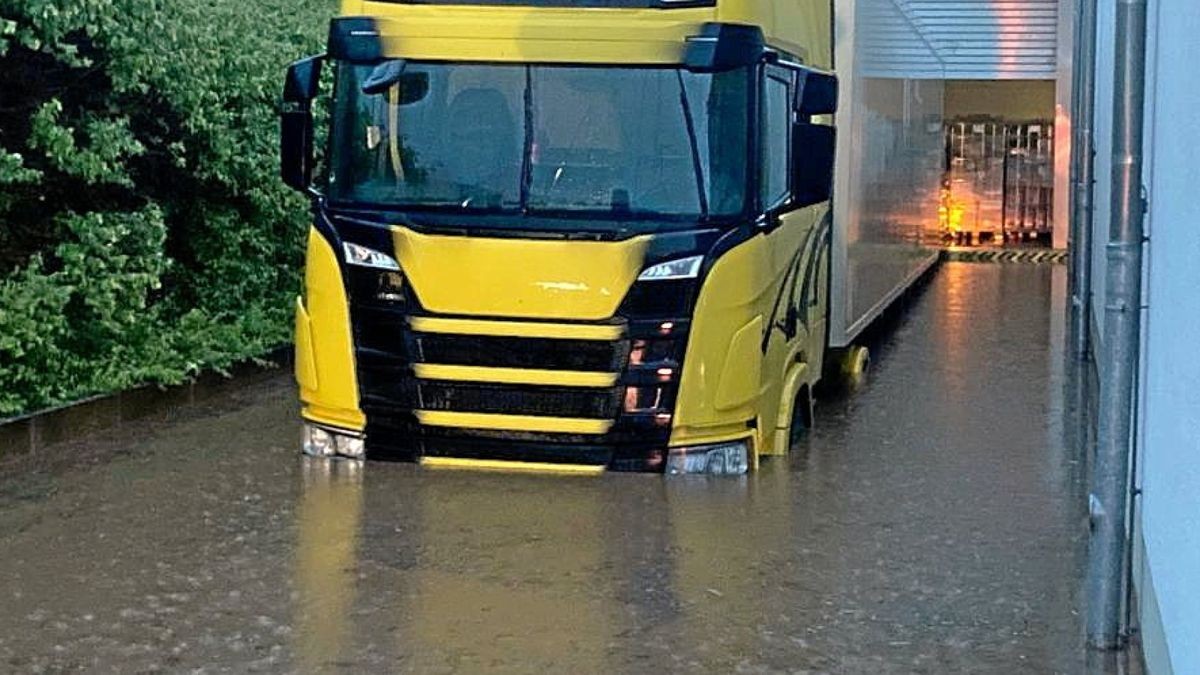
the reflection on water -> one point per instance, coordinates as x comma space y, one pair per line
328, 516
503, 576
479, 571
464, 572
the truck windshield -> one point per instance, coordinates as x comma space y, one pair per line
547, 140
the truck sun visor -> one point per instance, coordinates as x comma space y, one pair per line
590, 4
355, 38
724, 46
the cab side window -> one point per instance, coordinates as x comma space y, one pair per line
775, 142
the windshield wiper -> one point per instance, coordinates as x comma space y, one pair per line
697, 165
610, 214
527, 150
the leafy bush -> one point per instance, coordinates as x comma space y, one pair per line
144, 233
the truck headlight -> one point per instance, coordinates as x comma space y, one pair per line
354, 447
322, 442
318, 442
729, 459
683, 268
368, 257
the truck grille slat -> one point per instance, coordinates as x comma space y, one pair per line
517, 399
510, 352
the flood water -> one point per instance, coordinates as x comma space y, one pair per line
932, 522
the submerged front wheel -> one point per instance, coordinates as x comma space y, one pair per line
802, 416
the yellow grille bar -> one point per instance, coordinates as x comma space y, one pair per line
529, 329
535, 423
507, 466
563, 378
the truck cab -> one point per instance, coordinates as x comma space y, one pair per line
565, 235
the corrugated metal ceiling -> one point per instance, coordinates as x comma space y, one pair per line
959, 39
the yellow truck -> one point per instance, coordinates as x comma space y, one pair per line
569, 235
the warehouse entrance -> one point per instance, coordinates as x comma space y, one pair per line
998, 185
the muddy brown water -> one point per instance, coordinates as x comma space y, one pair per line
932, 522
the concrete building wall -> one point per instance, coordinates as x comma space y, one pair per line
1167, 524
1170, 476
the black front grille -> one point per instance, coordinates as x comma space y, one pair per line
381, 330
403, 439
659, 300
517, 399
521, 352
388, 354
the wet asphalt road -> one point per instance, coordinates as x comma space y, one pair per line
933, 522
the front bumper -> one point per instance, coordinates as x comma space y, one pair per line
726, 458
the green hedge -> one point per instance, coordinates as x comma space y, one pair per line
144, 233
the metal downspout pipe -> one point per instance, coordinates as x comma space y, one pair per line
1122, 333
1082, 177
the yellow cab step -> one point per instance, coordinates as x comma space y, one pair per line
510, 466
529, 329
535, 423
561, 378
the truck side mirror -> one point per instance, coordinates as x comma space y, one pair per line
816, 93
296, 123
813, 147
